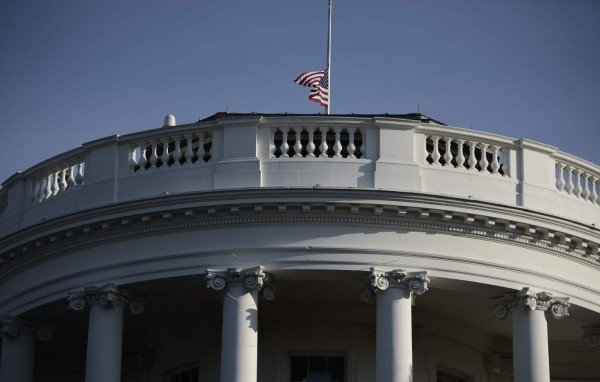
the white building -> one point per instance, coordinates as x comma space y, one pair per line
314, 234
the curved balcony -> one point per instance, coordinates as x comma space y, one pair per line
408, 153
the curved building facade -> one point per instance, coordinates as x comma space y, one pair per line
285, 248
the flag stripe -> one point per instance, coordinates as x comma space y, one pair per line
319, 82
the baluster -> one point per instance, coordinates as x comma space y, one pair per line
62, 183
594, 194
351, 146
43, 189
578, 189
71, 178
272, 147
310, 147
337, 146
324, 147
154, 154
164, 158
560, 180
483, 162
570, 185
132, 161
586, 189
55, 186
189, 153
177, 151
460, 157
472, 159
35, 191
285, 147
435, 154
363, 147
79, 176
495, 163
298, 145
201, 153
448, 154
506, 160
143, 155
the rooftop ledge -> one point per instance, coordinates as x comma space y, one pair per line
404, 153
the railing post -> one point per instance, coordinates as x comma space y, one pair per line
536, 176
239, 165
401, 154
103, 162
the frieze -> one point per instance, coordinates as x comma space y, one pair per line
412, 218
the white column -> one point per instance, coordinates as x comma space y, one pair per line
18, 348
394, 359
104, 344
531, 360
239, 343
105, 330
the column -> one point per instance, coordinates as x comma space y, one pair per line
530, 330
239, 343
105, 330
394, 360
18, 348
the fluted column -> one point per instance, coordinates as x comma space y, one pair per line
530, 330
105, 329
239, 343
394, 360
18, 348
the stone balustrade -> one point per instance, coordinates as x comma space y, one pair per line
577, 179
56, 179
254, 151
472, 155
316, 142
170, 151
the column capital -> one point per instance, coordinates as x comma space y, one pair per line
107, 295
378, 280
526, 300
11, 326
251, 278
591, 336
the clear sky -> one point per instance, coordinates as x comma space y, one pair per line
72, 71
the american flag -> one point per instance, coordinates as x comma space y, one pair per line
319, 82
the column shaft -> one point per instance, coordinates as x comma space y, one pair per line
18, 354
239, 346
530, 346
394, 336
104, 345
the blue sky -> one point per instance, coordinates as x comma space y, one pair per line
72, 71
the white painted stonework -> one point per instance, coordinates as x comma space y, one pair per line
236, 248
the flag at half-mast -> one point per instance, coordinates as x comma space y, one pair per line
319, 84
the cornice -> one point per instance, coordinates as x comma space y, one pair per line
309, 206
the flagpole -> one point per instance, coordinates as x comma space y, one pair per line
329, 58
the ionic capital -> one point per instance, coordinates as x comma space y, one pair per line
415, 282
11, 326
108, 295
250, 278
591, 336
526, 300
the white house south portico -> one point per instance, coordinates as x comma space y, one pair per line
285, 248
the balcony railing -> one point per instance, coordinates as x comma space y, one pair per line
304, 151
